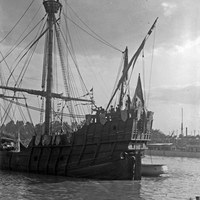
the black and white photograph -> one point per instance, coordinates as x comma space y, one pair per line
100, 99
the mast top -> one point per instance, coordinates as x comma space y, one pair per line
52, 6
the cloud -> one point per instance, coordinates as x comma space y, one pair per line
168, 8
188, 45
180, 95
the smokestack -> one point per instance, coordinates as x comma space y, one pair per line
182, 121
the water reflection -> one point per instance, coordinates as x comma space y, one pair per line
31, 186
181, 182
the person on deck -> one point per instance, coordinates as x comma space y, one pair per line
128, 102
112, 110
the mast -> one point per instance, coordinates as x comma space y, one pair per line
51, 7
132, 61
122, 92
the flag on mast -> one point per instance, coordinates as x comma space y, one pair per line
138, 100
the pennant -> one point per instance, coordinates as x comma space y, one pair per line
138, 99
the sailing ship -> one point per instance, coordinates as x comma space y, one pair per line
103, 144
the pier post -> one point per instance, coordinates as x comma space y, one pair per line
138, 165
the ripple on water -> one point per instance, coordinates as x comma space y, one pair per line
181, 182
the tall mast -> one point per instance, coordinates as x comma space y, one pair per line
125, 78
132, 61
51, 7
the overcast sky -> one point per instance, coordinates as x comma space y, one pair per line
175, 46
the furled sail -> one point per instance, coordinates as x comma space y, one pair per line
132, 62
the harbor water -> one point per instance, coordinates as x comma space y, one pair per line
181, 182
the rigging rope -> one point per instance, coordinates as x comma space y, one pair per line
151, 68
21, 113
38, 109
118, 74
98, 36
6, 113
72, 54
17, 22
16, 44
64, 68
24, 69
100, 40
44, 75
19, 80
12, 49
30, 45
28, 111
85, 52
72, 84
143, 68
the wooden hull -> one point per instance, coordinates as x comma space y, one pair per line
109, 151
153, 169
54, 161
